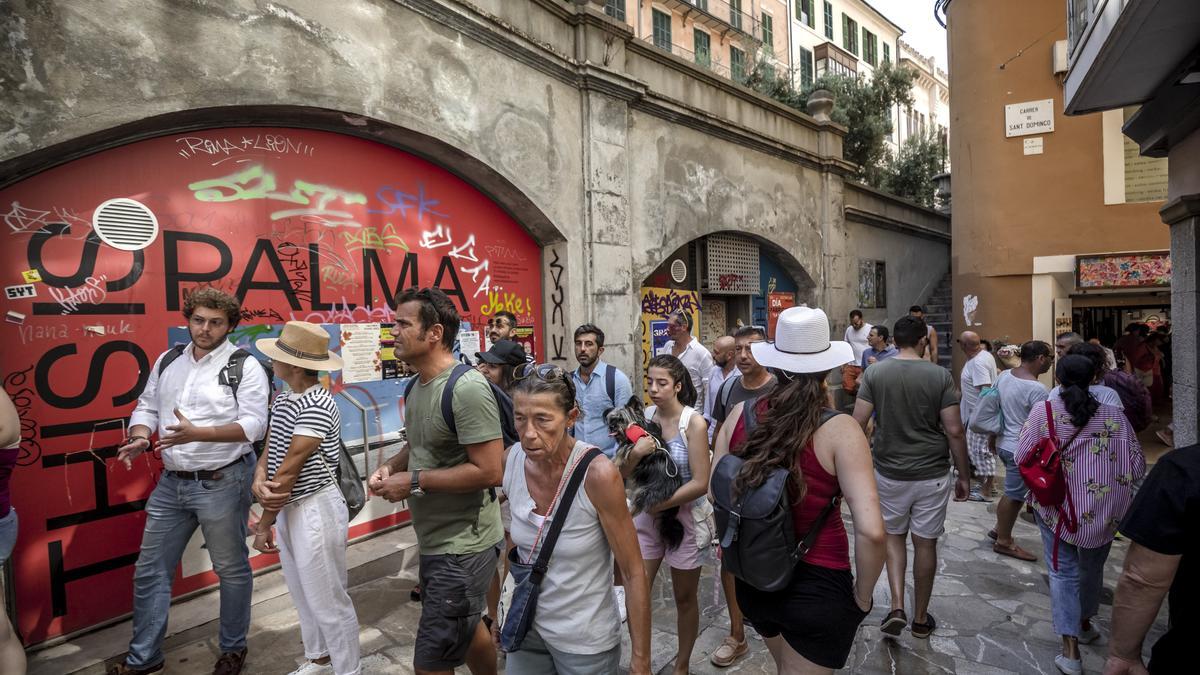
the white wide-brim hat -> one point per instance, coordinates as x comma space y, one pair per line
301, 344
802, 344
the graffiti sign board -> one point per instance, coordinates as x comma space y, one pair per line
298, 224
657, 303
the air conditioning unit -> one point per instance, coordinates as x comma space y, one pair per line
1060, 57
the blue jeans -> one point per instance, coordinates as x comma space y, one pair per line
174, 510
1075, 587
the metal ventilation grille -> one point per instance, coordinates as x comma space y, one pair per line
125, 224
679, 271
733, 265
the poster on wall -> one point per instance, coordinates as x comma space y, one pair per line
712, 320
1129, 270
299, 225
657, 303
776, 303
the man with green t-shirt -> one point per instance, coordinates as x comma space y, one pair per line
446, 478
918, 432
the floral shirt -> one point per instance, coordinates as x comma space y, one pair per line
1101, 465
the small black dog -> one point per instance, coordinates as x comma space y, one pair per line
656, 478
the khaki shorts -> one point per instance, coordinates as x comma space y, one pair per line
917, 506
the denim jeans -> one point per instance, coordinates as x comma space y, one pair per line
1075, 587
174, 510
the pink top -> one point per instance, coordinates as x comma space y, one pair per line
1101, 465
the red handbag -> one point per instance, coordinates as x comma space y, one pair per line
1042, 472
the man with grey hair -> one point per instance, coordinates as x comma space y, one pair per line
695, 356
978, 372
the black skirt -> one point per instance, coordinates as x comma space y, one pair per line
816, 614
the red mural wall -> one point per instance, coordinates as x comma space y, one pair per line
299, 224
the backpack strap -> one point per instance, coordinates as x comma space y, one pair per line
234, 369
448, 395
169, 357
559, 517
610, 382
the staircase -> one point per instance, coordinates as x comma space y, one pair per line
938, 307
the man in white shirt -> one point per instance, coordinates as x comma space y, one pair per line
978, 372
725, 368
695, 356
208, 403
856, 334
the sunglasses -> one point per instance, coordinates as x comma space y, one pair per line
546, 372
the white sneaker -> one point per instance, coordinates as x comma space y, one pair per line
619, 598
310, 668
1068, 666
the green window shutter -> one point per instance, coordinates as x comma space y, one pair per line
703, 44
662, 29
806, 68
615, 9
828, 20
768, 31
737, 64
887, 53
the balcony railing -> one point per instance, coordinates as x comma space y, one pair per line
706, 60
719, 16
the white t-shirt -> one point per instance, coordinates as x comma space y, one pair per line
858, 339
977, 373
1017, 398
1103, 394
699, 362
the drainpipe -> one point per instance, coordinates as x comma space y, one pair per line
790, 56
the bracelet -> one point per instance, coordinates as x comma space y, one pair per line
131, 439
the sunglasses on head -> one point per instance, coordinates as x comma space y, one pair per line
546, 372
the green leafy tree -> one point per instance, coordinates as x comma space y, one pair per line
910, 174
863, 105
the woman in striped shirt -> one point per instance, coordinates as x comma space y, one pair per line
295, 484
1101, 460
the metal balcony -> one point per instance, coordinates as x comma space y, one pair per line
708, 61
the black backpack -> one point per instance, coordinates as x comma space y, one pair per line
503, 404
610, 382
755, 527
230, 375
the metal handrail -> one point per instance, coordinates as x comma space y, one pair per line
366, 433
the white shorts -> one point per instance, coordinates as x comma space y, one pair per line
917, 506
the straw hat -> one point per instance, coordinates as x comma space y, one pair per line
802, 344
301, 344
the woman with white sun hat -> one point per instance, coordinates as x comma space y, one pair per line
810, 625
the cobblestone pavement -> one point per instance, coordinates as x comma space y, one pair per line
993, 617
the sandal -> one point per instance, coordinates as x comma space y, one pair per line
893, 623
922, 630
1014, 551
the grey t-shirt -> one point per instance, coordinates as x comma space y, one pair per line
1017, 398
909, 396
738, 393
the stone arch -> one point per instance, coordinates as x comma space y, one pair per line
478, 173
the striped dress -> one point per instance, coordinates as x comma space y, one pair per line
1101, 466
312, 413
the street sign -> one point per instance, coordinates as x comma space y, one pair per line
1028, 118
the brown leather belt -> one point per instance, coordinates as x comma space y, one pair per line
212, 474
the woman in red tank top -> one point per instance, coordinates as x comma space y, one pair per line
810, 625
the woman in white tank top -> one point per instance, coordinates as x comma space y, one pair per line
576, 628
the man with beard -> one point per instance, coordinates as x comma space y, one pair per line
502, 326
599, 387
205, 432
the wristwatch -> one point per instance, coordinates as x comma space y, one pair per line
416, 484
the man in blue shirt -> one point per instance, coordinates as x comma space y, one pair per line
879, 348
596, 389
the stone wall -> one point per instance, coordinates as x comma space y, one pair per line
610, 152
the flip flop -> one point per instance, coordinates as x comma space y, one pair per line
992, 535
923, 630
1014, 551
893, 623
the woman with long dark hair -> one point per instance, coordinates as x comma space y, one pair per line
1101, 460
686, 436
12, 653
810, 625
